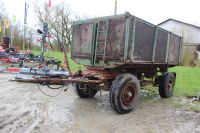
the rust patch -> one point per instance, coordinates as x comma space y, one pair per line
99, 74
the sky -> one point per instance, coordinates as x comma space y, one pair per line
154, 11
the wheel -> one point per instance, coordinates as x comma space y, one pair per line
166, 85
124, 93
85, 91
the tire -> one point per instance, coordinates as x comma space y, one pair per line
124, 93
85, 91
166, 85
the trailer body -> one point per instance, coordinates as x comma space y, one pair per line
122, 53
123, 39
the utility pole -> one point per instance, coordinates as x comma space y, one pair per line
4, 31
62, 30
24, 37
11, 29
25, 22
11, 36
115, 12
4, 27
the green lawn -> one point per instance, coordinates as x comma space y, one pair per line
187, 80
60, 56
57, 55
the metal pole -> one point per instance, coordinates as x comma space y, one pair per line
115, 12
11, 35
11, 29
4, 31
24, 37
25, 22
42, 47
62, 30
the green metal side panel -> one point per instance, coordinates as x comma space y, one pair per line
115, 43
100, 42
121, 39
82, 47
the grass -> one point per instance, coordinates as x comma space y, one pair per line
60, 56
184, 104
187, 81
57, 55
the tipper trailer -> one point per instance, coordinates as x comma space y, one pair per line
121, 54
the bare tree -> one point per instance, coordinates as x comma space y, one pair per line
58, 20
29, 38
3, 12
3, 15
17, 35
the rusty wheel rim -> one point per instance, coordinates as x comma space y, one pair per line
170, 85
128, 95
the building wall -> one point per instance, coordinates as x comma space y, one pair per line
190, 53
189, 33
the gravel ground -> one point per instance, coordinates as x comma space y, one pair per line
23, 108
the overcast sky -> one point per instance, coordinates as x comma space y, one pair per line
154, 11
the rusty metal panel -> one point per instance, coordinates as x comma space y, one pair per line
82, 41
108, 41
115, 41
101, 38
173, 54
161, 46
144, 40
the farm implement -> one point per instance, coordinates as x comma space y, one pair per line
122, 53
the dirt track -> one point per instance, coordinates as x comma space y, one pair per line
23, 108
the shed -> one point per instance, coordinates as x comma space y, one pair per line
190, 34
